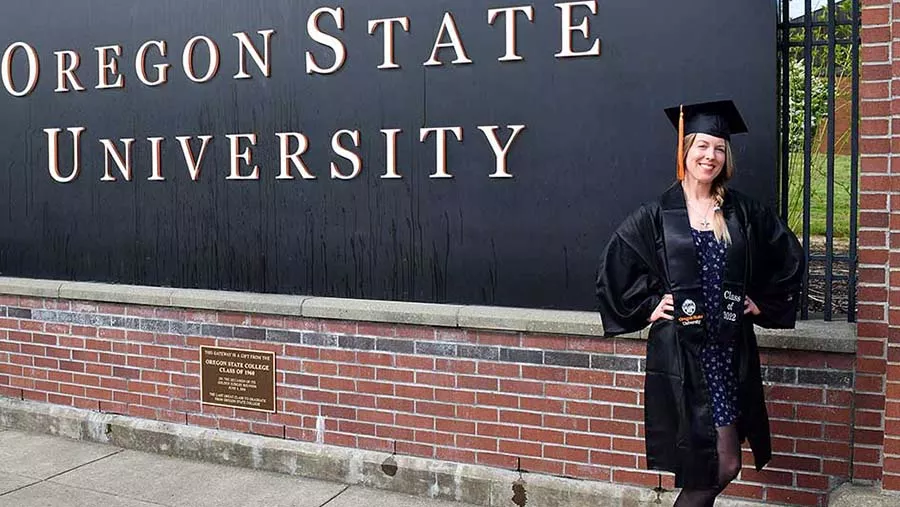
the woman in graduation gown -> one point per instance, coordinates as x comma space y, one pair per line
701, 266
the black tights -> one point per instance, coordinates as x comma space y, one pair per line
729, 465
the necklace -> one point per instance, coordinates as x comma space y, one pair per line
704, 222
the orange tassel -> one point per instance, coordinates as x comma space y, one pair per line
681, 144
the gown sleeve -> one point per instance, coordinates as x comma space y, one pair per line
778, 265
628, 282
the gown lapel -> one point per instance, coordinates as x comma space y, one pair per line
684, 276
735, 274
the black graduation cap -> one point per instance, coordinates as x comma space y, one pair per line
720, 119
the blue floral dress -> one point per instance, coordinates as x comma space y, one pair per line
717, 357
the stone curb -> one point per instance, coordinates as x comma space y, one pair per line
397, 312
29, 287
817, 336
530, 320
475, 484
839, 337
850, 495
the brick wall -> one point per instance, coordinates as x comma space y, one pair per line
565, 405
877, 398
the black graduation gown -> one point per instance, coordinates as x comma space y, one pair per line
651, 254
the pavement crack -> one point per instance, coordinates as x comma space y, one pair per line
20, 488
47, 479
339, 493
101, 458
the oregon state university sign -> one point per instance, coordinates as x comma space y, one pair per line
440, 151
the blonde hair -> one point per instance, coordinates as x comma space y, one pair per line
720, 228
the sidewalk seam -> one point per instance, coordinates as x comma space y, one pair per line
47, 479
339, 493
83, 465
107, 493
20, 488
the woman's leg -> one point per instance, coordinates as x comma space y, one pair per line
729, 455
729, 466
696, 497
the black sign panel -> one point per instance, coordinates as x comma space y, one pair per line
166, 192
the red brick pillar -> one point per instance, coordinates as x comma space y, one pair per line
877, 398
891, 477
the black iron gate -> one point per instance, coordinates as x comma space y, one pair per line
818, 53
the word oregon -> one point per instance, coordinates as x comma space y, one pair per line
574, 18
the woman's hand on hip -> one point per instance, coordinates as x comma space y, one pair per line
664, 309
750, 307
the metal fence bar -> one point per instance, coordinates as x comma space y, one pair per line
785, 55
820, 24
807, 148
837, 278
820, 43
829, 184
836, 258
854, 161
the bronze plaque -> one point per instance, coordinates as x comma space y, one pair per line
237, 378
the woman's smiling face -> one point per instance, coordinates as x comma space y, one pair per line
706, 158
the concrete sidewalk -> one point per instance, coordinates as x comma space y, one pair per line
41, 470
